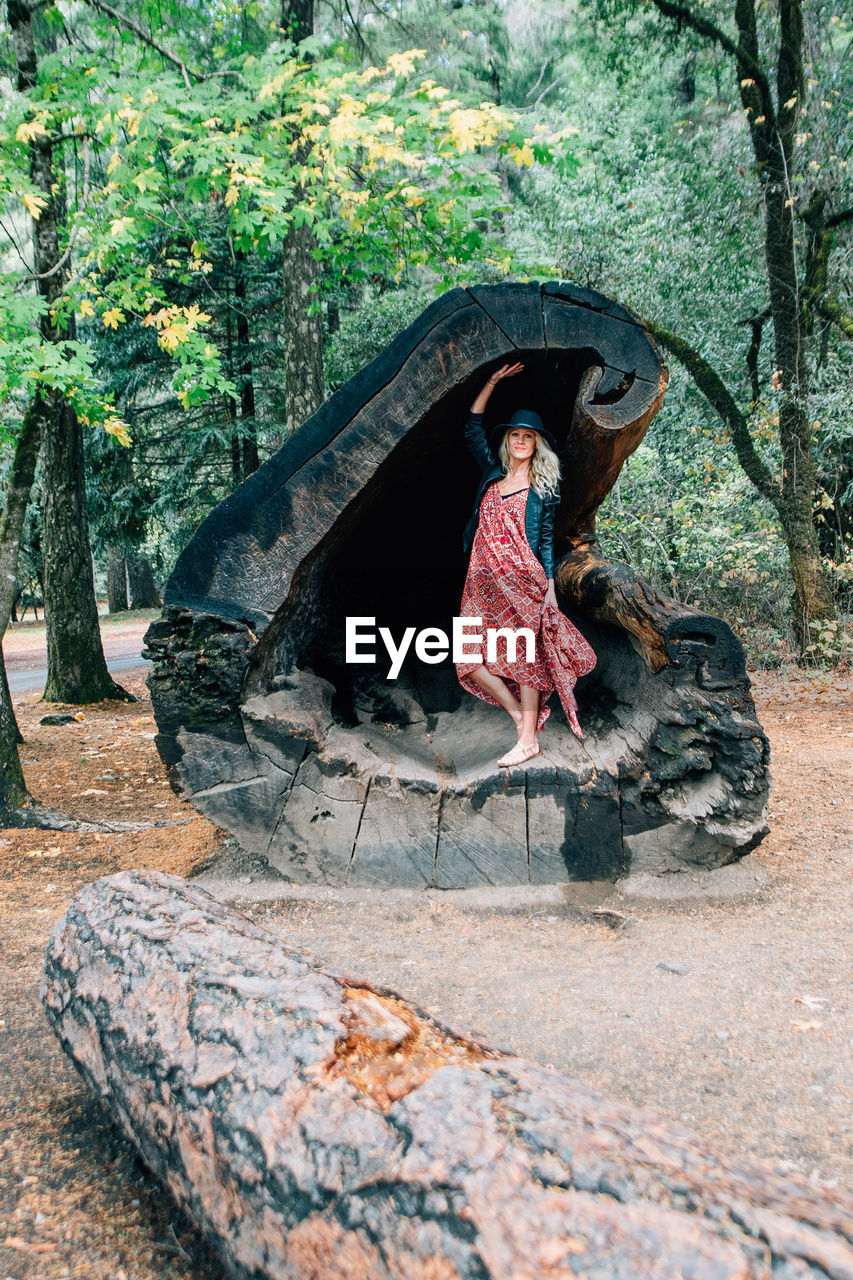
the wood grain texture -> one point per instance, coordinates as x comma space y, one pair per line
361, 514
315, 1126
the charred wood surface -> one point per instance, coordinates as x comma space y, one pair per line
315, 1126
336, 773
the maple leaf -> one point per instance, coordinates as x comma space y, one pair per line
35, 206
30, 129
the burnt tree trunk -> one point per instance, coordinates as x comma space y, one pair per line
77, 671
316, 1126
338, 774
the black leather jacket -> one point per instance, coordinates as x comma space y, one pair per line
538, 513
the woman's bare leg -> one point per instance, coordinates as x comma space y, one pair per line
529, 715
527, 745
495, 688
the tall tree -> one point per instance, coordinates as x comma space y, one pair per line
77, 669
772, 89
302, 322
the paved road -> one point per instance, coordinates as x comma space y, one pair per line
34, 680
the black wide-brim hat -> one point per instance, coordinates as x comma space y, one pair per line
522, 418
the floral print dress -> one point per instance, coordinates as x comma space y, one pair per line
505, 586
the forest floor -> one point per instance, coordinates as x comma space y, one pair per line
732, 1016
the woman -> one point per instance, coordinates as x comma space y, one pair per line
510, 580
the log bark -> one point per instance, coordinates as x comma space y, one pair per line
338, 774
314, 1125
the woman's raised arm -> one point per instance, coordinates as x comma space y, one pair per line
505, 371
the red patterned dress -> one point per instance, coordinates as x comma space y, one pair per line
505, 586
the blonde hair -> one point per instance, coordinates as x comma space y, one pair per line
544, 465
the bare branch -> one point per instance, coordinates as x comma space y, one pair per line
143, 35
843, 215
704, 27
720, 398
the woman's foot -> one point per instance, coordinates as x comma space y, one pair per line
521, 751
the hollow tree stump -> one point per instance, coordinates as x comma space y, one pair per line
340, 775
315, 1126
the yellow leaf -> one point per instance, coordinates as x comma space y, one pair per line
113, 318
119, 225
114, 162
115, 426
30, 129
402, 64
791, 102
169, 338
232, 195
86, 308
470, 128
194, 316
35, 205
522, 156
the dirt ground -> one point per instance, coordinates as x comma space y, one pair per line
734, 1017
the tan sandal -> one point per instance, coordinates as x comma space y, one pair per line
518, 755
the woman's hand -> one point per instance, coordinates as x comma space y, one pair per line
505, 371
551, 595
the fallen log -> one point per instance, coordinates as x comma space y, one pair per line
315, 1126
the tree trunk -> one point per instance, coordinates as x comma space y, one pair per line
314, 1125
77, 671
13, 791
13, 788
773, 121
143, 588
796, 507
772, 129
302, 332
296, 18
250, 459
116, 580
76, 667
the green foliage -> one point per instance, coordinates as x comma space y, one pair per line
425, 146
